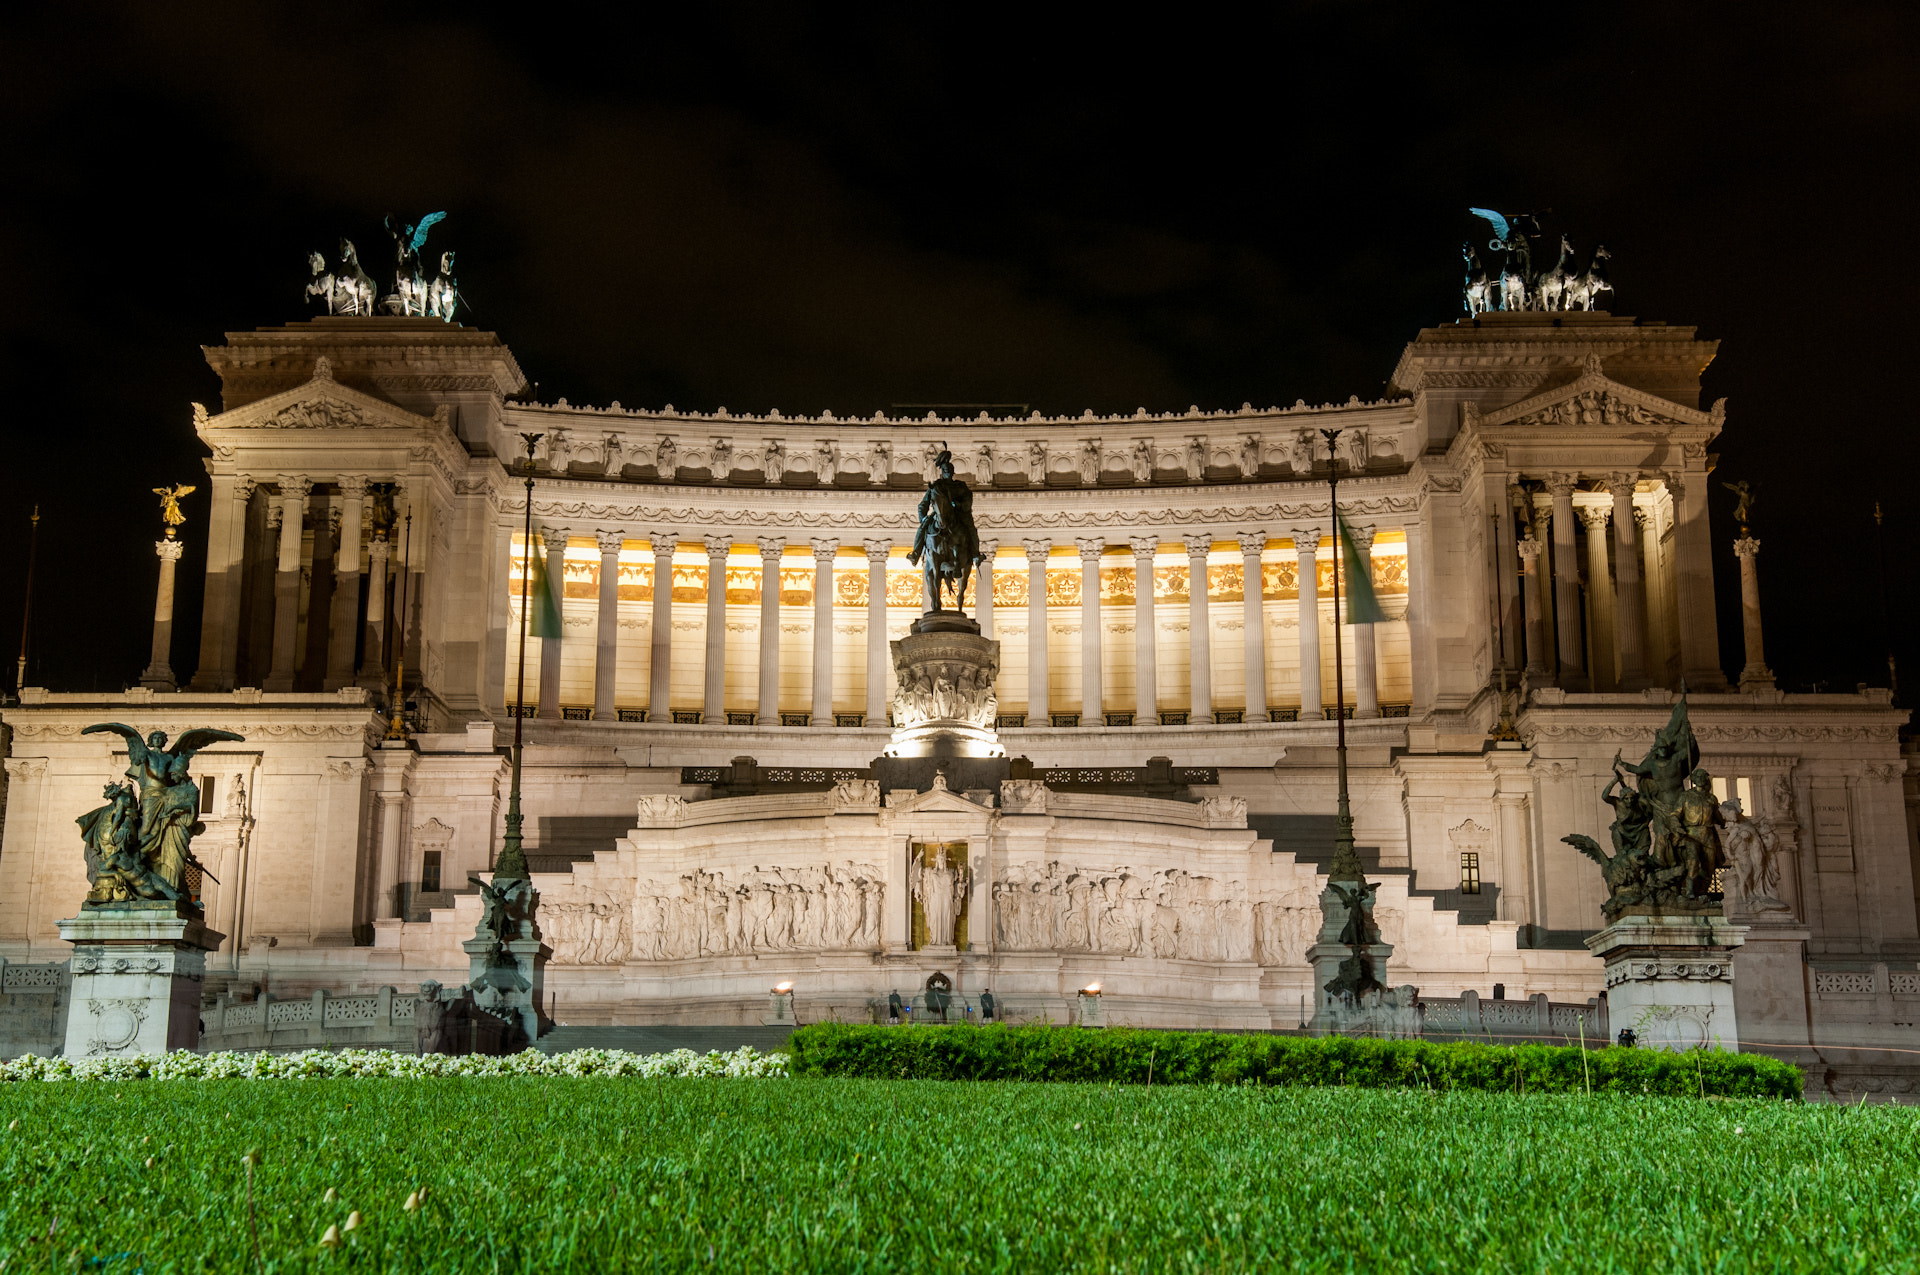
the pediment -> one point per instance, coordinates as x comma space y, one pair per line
320, 403
937, 800
1596, 401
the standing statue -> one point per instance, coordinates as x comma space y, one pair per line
1360, 929
409, 286
1742, 509
1666, 846
170, 505
1753, 871
139, 844
1516, 277
939, 887
947, 539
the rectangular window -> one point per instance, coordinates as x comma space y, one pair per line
206, 795
1469, 872
430, 872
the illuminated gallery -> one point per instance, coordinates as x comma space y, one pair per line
756, 753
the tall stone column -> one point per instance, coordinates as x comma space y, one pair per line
1093, 710
1253, 589
1646, 526
983, 588
286, 581
389, 819
1566, 586
1146, 668
606, 646
1600, 613
1306, 548
823, 555
1529, 549
1699, 635
714, 701
877, 553
1756, 676
1631, 608
226, 563
1366, 660
1039, 712
1199, 632
660, 636
159, 674
344, 631
771, 548
550, 647
373, 648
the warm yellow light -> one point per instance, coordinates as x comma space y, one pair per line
783, 987
1091, 989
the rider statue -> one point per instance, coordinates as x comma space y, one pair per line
946, 539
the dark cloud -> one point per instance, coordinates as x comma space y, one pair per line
772, 206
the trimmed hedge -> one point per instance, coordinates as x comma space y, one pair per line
1125, 1055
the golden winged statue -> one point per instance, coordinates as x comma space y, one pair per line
170, 505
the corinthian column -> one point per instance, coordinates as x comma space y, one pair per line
1756, 676
1254, 625
1599, 594
1038, 712
823, 554
159, 674
373, 656
1199, 632
983, 588
1306, 547
606, 647
1566, 586
226, 563
1536, 619
660, 638
771, 547
1366, 667
556, 538
1146, 671
877, 552
1093, 710
346, 585
714, 704
286, 580
1631, 612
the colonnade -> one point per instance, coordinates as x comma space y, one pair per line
1092, 706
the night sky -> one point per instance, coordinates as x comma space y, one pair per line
774, 207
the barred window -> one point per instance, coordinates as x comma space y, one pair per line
1469, 872
429, 871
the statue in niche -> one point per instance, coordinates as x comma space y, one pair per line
939, 887
665, 457
1142, 461
1665, 830
947, 539
1037, 464
139, 845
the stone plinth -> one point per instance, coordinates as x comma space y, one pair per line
1332, 1012
513, 990
1670, 979
946, 702
137, 973
1770, 996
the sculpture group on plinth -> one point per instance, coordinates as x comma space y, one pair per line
1519, 286
348, 289
139, 845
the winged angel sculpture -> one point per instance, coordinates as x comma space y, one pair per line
139, 844
1519, 287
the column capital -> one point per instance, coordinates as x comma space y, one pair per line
1363, 536
1145, 546
1595, 516
1746, 548
824, 550
274, 512
1199, 545
553, 533
243, 488
1529, 549
1643, 517
352, 486
1038, 550
610, 541
1306, 542
169, 550
877, 550
1253, 543
664, 543
771, 547
379, 549
988, 548
1560, 486
295, 486
1090, 547
1676, 485
718, 547
1622, 484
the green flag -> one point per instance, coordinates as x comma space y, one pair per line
544, 620
1362, 606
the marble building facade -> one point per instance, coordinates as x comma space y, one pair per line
1531, 494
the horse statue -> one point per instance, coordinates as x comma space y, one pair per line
1516, 276
1552, 286
947, 539
354, 290
1583, 290
1479, 289
443, 294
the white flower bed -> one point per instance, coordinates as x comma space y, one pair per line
324, 1063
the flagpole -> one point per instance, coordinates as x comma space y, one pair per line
33, 551
1346, 861
512, 863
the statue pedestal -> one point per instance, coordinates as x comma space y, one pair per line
1670, 979
945, 704
137, 973
511, 991
1770, 995
1333, 1011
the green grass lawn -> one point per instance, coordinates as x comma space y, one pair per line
858, 1175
